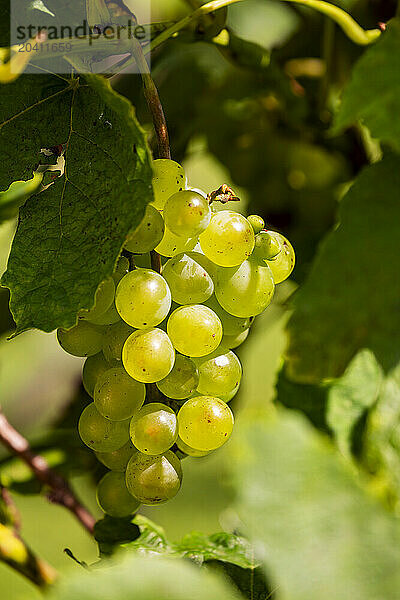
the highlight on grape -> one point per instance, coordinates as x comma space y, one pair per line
160, 365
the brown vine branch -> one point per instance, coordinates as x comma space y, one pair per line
16, 554
60, 491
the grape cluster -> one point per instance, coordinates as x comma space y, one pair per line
160, 366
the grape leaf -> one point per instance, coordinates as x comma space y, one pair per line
70, 236
318, 533
350, 300
145, 578
373, 94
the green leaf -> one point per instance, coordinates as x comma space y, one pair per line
16, 195
251, 582
350, 300
70, 236
146, 578
200, 548
373, 94
318, 533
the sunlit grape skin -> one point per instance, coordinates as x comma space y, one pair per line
172, 244
246, 290
231, 325
148, 355
205, 423
190, 451
154, 479
228, 239
117, 396
92, 369
115, 337
154, 428
148, 234
117, 459
113, 496
100, 434
190, 277
234, 341
168, 179
195, 330
85, 339
182, 381
187, 213
143, 298
283, 265
219, 373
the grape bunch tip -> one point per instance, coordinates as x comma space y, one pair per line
173, 333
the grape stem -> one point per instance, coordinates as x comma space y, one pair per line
60, 491
223, 194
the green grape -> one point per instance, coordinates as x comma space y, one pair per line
187, 213
189, 277
190, 451
233, 341
100, 434
228, 240
118, 459
219, 374
205, 423
267, 246
143, 298
117, 396
110, 317
154, 479
85, 339
148, 234
246, 290
148, 356
121, 269
154, 428
195, 330
168, 178
283, 264
231, 325
102, 301
113, 496
182, 381
143, 261
172, 244
92, 369
114, 339
256, 222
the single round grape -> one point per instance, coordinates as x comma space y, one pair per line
219, 374
187, 213
195, 330
101, 434
228, 239
154, 479
205, 423
148, 234
110, 317
172, 244
92, 369
189, 277
118, 459
85, 339
256, 222
113, 496
190, 451
234, 341
143, 298
115, 337
266, 246
181, 381
148, 355
154, 428
168, 178
231, 325
283, 264
117, 396
246, 290
103, 299
121, 269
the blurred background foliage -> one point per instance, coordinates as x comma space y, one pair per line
254, 109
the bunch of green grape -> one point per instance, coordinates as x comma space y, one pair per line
160, 367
